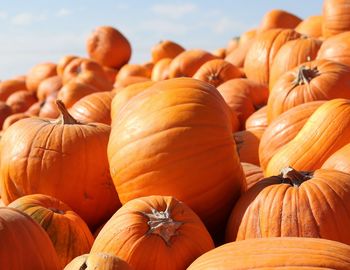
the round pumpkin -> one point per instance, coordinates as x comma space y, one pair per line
133, 70
165, 49
248, 145
262, 52
49, 108
109, 47
257, 120
252, 173
20, 101
188, 62
8, 87
69, 234
156, 232
97, 261
336, 17
292, 204
49, 86
216, 72
34, 110
24, 244
311, 26
63, 62
38, 73
161, 69
288, 253
157, 146
5, 112
61, 158
278, 18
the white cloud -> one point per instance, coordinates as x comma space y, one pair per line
172, 10
63, 12
27, 18
3, 15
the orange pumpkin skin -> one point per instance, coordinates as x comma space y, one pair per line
165, 49
220, 53
69, 234
20, 101
316, 80
63, 62
45, 153
232, 44
132, 70
257, 120
291, 55
311, 26
325, 132
154, 232
95, 107
247, 37
284, 128
262, 52
39, 73
216, 72
49, 108
173, 149
336, 48
339, 160
81, 65
252, 173
248, 145
161, 70
289, 253
34, 110
13, 118
109, 47
277, 18
111, 74
5, 112
130, 81
287, 205
336, 17
24, 244
243, 97
188, 62
49, 86
98, 261
8, 87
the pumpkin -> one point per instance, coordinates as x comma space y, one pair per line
292, 204
311, 26
69, 234
13, 118
220, 53
289, 253
49, 108
165, 49
149, 66
74, 91
157, 147
49, 86
336, 48
161, 70
24, 244
243, 97
262, 52
110, 74
311, 81
291, 55
8, 87
339, 160
336, 17
5, 111
34, 110
247, 37
61, 158
81, 65
20, 101
132, 70
63, 62
257, 120
252, 173
248, 145
99, 82
97, 261
109, 47
277, 18
38, 73
325, 132
95, 107
284, 128
156, 232
216, 72
232, 44
188, 62
129, 81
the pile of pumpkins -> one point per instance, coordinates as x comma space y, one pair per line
232, 159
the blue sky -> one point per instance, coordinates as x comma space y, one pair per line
37, 31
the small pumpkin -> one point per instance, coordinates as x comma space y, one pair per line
20, 101
8, 87
34, 110
49, 108
48, 86
165, 49
220, 53
278, 18
133, 70
311, 26
63, 62
257, 120
248, 145
5, 112
161, 70
253, 174
38, 73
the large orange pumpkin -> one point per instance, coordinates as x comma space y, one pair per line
277, 18
109, 47
165, 49
325, 132
38, 73
294, 204
8, 87
262, 52
157, 147
69, 234
62, 158
289, 253
311, 26
24, 244
336, 17
311, 81
97, 261
155, 232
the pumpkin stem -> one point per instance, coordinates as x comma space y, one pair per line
293, 177
305, 75
161, 224
66, 118
55, 210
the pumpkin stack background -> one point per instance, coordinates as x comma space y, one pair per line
237, 158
